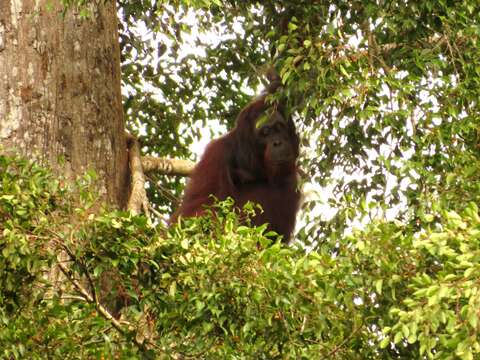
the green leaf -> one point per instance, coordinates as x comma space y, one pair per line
398, 337
292, 26
384, 343
172, 289
261, 121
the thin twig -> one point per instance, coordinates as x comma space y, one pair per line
89, 298
339, 346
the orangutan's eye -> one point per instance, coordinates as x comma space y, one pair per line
265, 131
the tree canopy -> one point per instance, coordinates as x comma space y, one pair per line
384, 93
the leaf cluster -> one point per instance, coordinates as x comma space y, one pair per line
213, 287
383, 93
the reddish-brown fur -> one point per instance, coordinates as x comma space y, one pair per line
236, 166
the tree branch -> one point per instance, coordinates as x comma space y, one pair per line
123, 327
89, 298
343, 52
167, 166
138, 196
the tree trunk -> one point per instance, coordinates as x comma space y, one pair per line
60, 99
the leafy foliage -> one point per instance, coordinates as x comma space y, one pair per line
214, 288
384, 93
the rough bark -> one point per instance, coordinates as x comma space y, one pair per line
60, 99
167, 166
138, 196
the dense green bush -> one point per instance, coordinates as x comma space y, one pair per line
213, 288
